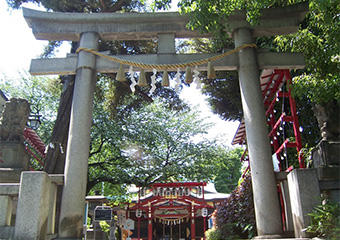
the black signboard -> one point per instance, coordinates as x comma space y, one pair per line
102, 213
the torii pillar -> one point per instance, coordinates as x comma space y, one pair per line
88, 28
78, 145
266, 201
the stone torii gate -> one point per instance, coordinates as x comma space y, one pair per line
89, 28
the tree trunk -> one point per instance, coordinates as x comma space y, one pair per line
55, 158
56, 153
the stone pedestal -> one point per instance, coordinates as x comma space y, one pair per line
326, 160
33, 206
304, 194
10, 175
98, 232
5, 210
326, 153
13, 155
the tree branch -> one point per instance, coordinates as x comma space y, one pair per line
99, 148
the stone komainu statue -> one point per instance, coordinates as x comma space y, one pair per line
13, 119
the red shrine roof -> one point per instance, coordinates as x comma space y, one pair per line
176, 201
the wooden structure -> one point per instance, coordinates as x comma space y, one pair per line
172, 210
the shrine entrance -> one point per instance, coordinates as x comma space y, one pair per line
89, 29
171, 211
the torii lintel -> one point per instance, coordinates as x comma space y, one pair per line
143, 26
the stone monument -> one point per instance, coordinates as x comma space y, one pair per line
325, 156
13, 156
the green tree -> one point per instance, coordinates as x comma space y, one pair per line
141, 143
55, 158
229, 170
317, 86
42, 93
154, 144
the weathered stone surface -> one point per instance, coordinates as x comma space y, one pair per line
328, 115
33, 206
273, 21
68, 65
13, 155
304, 194
143, 26
76, 163
329, 173
10, 175
11, 189
326, 154
6, 232
266, 203
13, 120
5, 210
57, 179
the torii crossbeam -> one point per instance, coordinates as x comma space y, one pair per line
89, 28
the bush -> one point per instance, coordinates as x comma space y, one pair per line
220, 233
235, 217
325, 221
213, 234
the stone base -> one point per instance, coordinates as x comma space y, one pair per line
328, 173
326, 153
68, 239
265, 237
10, 175
329, 180
6, 232
278, 237
13, 155
51, 237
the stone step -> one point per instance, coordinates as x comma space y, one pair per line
6, 232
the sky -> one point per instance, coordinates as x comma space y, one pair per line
18, 46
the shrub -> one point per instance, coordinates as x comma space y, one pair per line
235, 217
325, 221
213, 234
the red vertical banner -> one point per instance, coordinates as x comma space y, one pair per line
150, 230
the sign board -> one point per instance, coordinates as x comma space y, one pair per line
129, 224
103, 213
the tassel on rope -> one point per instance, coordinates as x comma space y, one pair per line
168, 66
165, 80
133, 80
153, 82
142, 80
196, 78
121, 74
211, 71
177, 80
188, 75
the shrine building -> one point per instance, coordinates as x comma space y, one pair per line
170, 211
